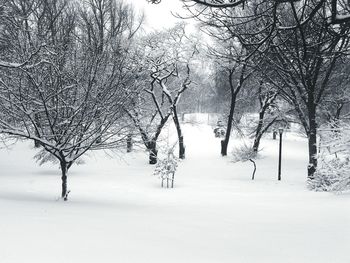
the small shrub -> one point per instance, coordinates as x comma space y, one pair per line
245, 153
166, 169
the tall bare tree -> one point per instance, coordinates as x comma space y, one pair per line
167, 76
304, 59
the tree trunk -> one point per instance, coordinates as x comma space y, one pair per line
99, 127
312, 140
258, 133
37, 123
256, 143
37, 144
64, 170
179, 134
182, 148
183, 117
224, 143
152, 144
153, 152
129, 143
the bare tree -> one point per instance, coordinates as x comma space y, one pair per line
69, 96
236, 74
168, 58
304, 59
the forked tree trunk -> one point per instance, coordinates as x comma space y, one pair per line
261, 131
152, 144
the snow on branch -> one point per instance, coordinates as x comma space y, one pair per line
26, 64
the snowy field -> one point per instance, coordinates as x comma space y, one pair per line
117, 211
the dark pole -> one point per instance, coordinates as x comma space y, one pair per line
280, 156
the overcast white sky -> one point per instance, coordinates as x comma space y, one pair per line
159, 16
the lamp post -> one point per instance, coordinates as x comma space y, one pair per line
280, 130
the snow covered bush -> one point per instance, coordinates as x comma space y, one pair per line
245, 153
333, 175
166, 168
333, 171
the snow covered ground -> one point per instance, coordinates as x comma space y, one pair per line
117, 211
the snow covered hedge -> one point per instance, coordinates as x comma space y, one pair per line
333, 171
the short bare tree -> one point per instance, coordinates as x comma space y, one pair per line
69, 93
